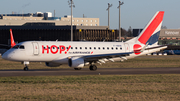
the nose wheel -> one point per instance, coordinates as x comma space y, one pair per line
26, 68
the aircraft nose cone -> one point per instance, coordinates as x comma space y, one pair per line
8, 55
4, 56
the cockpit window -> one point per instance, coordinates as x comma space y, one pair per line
19, 47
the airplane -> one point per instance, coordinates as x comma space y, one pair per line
80, 54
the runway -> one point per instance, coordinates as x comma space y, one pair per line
86, 71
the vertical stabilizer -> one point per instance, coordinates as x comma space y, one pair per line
150, 33
12, 39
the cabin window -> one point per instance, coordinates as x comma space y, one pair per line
80, 47
116, 48
94, 47
75, 47
99, 48
103, 48
107, 48
71, 47
89, 47
85, 47
112, 48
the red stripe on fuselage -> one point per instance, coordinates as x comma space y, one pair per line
151, 28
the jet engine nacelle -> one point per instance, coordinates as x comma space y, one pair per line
76, 62
51, 64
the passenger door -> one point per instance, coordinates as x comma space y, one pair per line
35, 48
127, 48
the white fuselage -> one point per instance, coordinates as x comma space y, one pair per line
58, 52
37, 50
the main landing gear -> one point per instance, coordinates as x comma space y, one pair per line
93, 67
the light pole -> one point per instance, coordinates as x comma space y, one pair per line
109, 5
120, 3
71, 3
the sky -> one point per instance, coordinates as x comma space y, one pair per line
134, 13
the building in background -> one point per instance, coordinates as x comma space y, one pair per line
40, 18
169, 37
81, 21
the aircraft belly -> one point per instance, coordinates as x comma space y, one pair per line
61, 61
40, 58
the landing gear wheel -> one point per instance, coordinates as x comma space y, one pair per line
26, 65
26, 68
77, 68
93, 67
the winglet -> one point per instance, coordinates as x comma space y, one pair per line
12, 39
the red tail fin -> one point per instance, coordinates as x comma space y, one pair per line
12, 39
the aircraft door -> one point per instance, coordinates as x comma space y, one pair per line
35, 48
127, 48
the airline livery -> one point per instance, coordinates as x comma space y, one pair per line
80, 54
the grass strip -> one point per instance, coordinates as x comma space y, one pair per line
96, 88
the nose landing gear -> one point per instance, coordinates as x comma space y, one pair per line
26, 65
26, 68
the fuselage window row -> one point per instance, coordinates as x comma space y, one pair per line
87, 48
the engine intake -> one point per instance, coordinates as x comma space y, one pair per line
76, 62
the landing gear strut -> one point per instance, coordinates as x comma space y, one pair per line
93, 67
26, 65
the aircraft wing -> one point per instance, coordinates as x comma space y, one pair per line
91, 58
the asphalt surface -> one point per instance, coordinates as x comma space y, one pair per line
86, 71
